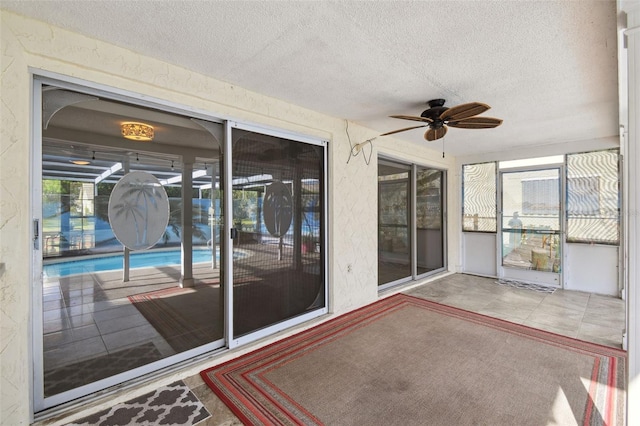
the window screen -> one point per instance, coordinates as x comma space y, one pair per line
479, 197
593, 199
278, 215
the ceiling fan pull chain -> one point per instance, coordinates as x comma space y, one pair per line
442, 147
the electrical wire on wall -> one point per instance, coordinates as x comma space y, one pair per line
358, 148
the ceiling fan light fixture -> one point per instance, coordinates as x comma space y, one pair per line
80, 162
139, 132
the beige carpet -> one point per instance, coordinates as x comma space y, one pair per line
410, 361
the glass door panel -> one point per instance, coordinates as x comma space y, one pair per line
531, 225
130, 273
278, 221
429, 220
108, 309
394, 238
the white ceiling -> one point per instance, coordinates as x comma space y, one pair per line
548, 69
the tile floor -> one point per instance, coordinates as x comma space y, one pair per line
96, 305
595, 318
87, 317
591, 317
80, 322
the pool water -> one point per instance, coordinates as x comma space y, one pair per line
113, 263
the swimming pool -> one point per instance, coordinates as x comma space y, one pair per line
143, 259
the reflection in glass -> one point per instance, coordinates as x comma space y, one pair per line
394, 244
429, 236
100, 317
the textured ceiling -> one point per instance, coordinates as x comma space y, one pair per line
548, 69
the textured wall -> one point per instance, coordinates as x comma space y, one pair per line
14, 235
352, 188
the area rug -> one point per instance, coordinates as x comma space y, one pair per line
173, 404
185, 317
405, 360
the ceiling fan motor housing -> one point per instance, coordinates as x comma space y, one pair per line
436, 108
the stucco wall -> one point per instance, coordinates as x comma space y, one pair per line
29, 46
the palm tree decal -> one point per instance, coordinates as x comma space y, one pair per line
129, 210
146, 195
277, 209
140, 199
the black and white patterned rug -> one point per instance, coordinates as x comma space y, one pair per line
173, 404
527, 286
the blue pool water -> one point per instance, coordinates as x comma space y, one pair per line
112, 263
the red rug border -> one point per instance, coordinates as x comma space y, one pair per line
293, 340
395, 301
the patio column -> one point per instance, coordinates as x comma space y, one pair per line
186, 276
297, 218
213, 215
126, 258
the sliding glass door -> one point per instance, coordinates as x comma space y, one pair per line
278, 232
411, 241
152, 247
127, 243
429, 220
394, 218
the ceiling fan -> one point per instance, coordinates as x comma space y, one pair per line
438, 117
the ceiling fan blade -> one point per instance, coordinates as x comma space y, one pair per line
464, 111
435, 134
403, 130
476, 123
413, 118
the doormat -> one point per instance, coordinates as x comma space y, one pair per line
173, 404
405, 360
527, 286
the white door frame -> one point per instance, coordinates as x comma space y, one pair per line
550, 279
39, 402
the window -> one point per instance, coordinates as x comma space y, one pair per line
479, 197
585, 195
541, 196
593, 198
